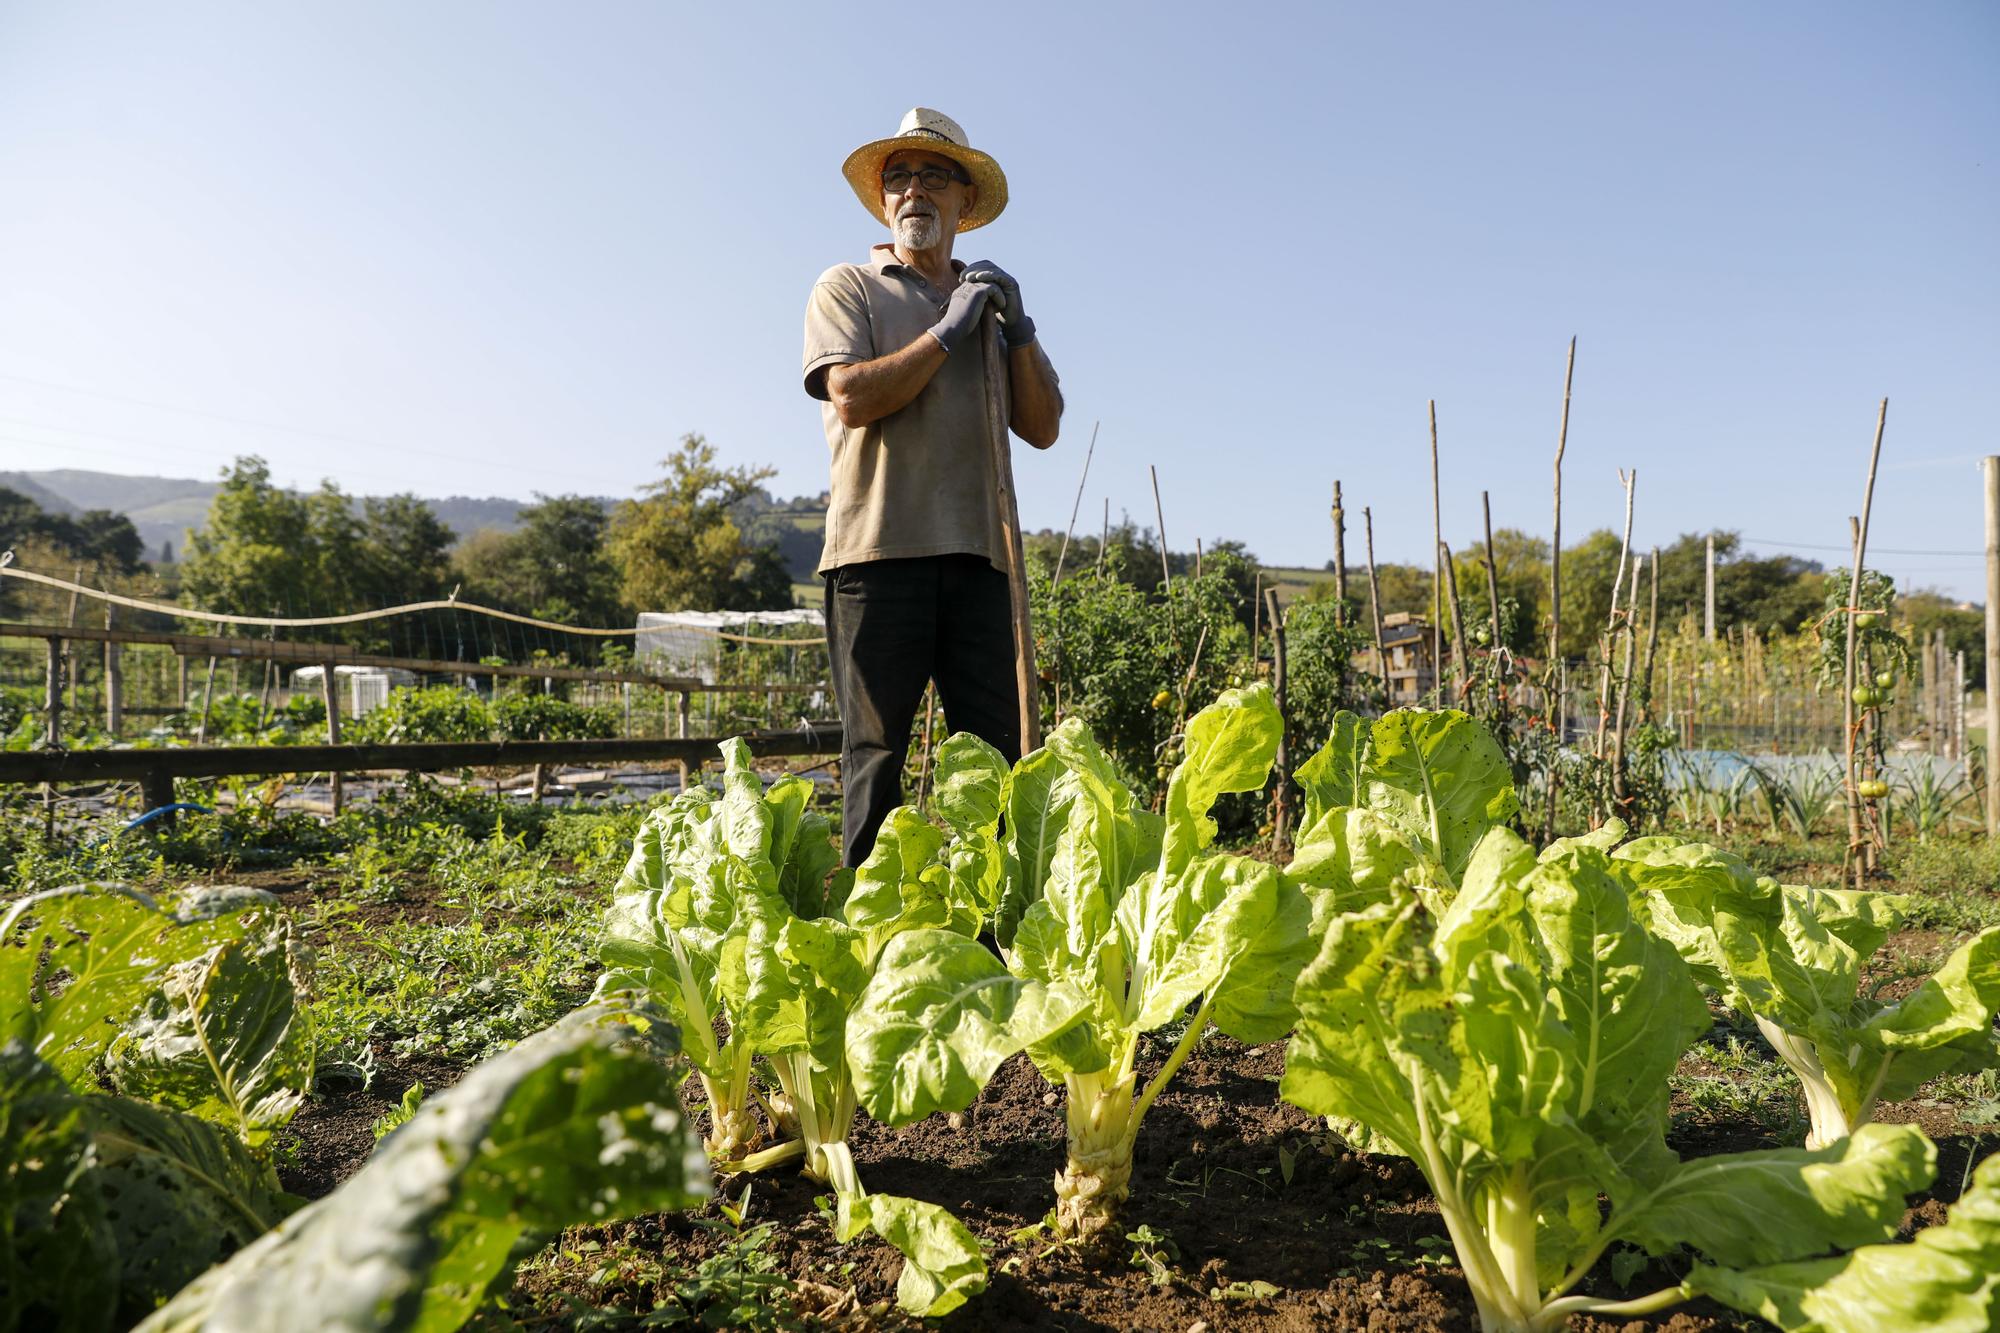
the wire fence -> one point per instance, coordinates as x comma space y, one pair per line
243, 681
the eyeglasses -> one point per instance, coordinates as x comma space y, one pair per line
895, 180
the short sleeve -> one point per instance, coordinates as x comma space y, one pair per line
837, 327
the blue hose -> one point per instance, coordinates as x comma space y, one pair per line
152, 815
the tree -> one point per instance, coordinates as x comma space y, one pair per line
404, 554
97, 537
677, 548
257, 553
554, 566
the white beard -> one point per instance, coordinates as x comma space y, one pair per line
917, 231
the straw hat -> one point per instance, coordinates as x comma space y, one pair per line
932, 132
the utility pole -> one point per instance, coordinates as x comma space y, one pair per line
1708, 616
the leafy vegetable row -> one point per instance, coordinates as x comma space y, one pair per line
1506, 1019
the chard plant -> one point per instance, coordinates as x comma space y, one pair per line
1946, 1280
1407, 796
1135, 923
731, 910
702, 875
1791, 959
1516, 1045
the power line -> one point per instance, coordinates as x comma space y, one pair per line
1849, 550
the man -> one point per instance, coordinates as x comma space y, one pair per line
915, 553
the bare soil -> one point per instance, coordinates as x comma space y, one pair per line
1247, 1188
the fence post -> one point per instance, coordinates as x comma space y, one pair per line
156, 792
207, 697
114, 680
52, 735
681, 722
331, 693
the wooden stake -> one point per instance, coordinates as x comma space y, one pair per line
1160, 517
1437, 566
1339, 558
1859, 857
1375, 610
1932, 680
1026, 682
1460, 666
1077, 503
1556, 557
1991, 467
930, 721
1652, 640
1492, 570
1708, 614
1500, 686
1281, 771
1624, 698
1958, 714
1104, 540
1630, 482
1256, 618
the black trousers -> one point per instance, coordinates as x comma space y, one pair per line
893, 626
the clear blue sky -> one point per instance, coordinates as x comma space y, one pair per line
498, 248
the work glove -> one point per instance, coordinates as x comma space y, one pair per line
1015, 326
961, 313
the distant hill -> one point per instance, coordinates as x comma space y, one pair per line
164, 508
24, 484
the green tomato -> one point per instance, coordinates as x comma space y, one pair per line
1885, 679
1871, 789
1865, 696
1865, 619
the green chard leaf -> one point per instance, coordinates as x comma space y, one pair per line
56, 1245
180, 1195
578, 1123
116, 946
937, 1018
1946, 1280
224, 1036
1039, 796
944, 1263
1442, 778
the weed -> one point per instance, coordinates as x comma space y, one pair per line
1156, 1253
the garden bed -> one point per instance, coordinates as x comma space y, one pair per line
1259, 1218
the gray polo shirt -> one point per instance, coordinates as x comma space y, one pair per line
919, 481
